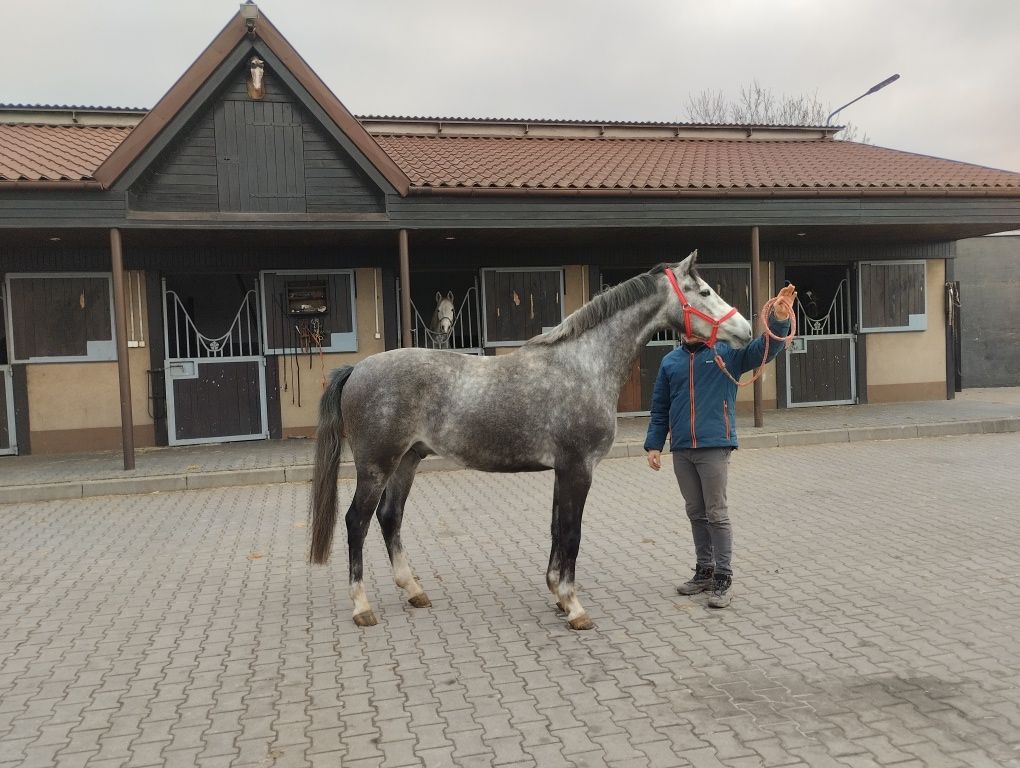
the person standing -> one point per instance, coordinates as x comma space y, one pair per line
695, 402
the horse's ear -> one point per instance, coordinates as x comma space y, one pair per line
439, 296
450, 296
686, 266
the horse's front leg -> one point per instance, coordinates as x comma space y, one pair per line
572, 485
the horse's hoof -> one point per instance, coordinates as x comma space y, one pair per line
420, 601
582, 622
559, 607
366, 619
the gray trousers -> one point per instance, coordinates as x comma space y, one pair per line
702, 474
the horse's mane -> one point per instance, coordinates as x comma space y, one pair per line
602, 306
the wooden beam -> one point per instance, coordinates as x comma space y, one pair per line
123, 367
759, 325
405, 291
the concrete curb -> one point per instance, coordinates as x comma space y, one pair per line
302, 473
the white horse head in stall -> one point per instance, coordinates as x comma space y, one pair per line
256, 72
441, 325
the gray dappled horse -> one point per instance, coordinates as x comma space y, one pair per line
549, 405
441, 325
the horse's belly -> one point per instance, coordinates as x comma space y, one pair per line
496, 451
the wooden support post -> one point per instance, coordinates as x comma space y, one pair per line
759, 325
405, 291
123, 367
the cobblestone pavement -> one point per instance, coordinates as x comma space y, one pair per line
875, 622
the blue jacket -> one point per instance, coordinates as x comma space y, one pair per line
695, 401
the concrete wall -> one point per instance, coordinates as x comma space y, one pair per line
911, 365
988, 269
76, 406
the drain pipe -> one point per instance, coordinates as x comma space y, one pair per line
405, 291
759, 323
123, 367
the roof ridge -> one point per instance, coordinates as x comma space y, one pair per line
690, 139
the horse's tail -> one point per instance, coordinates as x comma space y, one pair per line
328, 442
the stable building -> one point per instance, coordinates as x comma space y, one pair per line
191, 273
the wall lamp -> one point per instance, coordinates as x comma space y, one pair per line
250, 14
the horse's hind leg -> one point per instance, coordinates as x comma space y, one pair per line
359, 517
572, 486
391, 515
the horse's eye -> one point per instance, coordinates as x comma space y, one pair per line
706, 293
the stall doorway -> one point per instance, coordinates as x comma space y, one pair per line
8, 439
821, 361
215, 369
435, 295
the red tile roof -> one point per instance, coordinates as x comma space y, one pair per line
55, 152
684, 165
523, 163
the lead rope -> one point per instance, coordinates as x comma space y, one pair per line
766, 311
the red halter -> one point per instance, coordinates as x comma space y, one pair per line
689, 310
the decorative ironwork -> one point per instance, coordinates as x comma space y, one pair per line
185, 342
834, 322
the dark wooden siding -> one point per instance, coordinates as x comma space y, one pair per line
333, 183
280, 330
260, 157
519, 304
57, 316
436, 211
891, 293
243, 155
223, 401
59, 208
184, 179
847, 253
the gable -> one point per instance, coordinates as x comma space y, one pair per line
244, 155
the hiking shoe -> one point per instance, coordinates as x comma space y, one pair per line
720, 596
701, 581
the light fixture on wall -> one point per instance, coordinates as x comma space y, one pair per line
250, 14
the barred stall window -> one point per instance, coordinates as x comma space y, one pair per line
519, 304
892, 296
309, 309
60, 317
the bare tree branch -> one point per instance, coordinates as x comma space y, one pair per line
758, 105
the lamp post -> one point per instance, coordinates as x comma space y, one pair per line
871, 90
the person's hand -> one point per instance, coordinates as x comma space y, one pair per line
784, 303
655, 460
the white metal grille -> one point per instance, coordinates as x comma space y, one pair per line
465, 334
185, 342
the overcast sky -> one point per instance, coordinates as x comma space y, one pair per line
958, 96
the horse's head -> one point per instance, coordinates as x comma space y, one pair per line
705, 311
442, 318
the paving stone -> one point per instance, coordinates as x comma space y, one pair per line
186, 628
